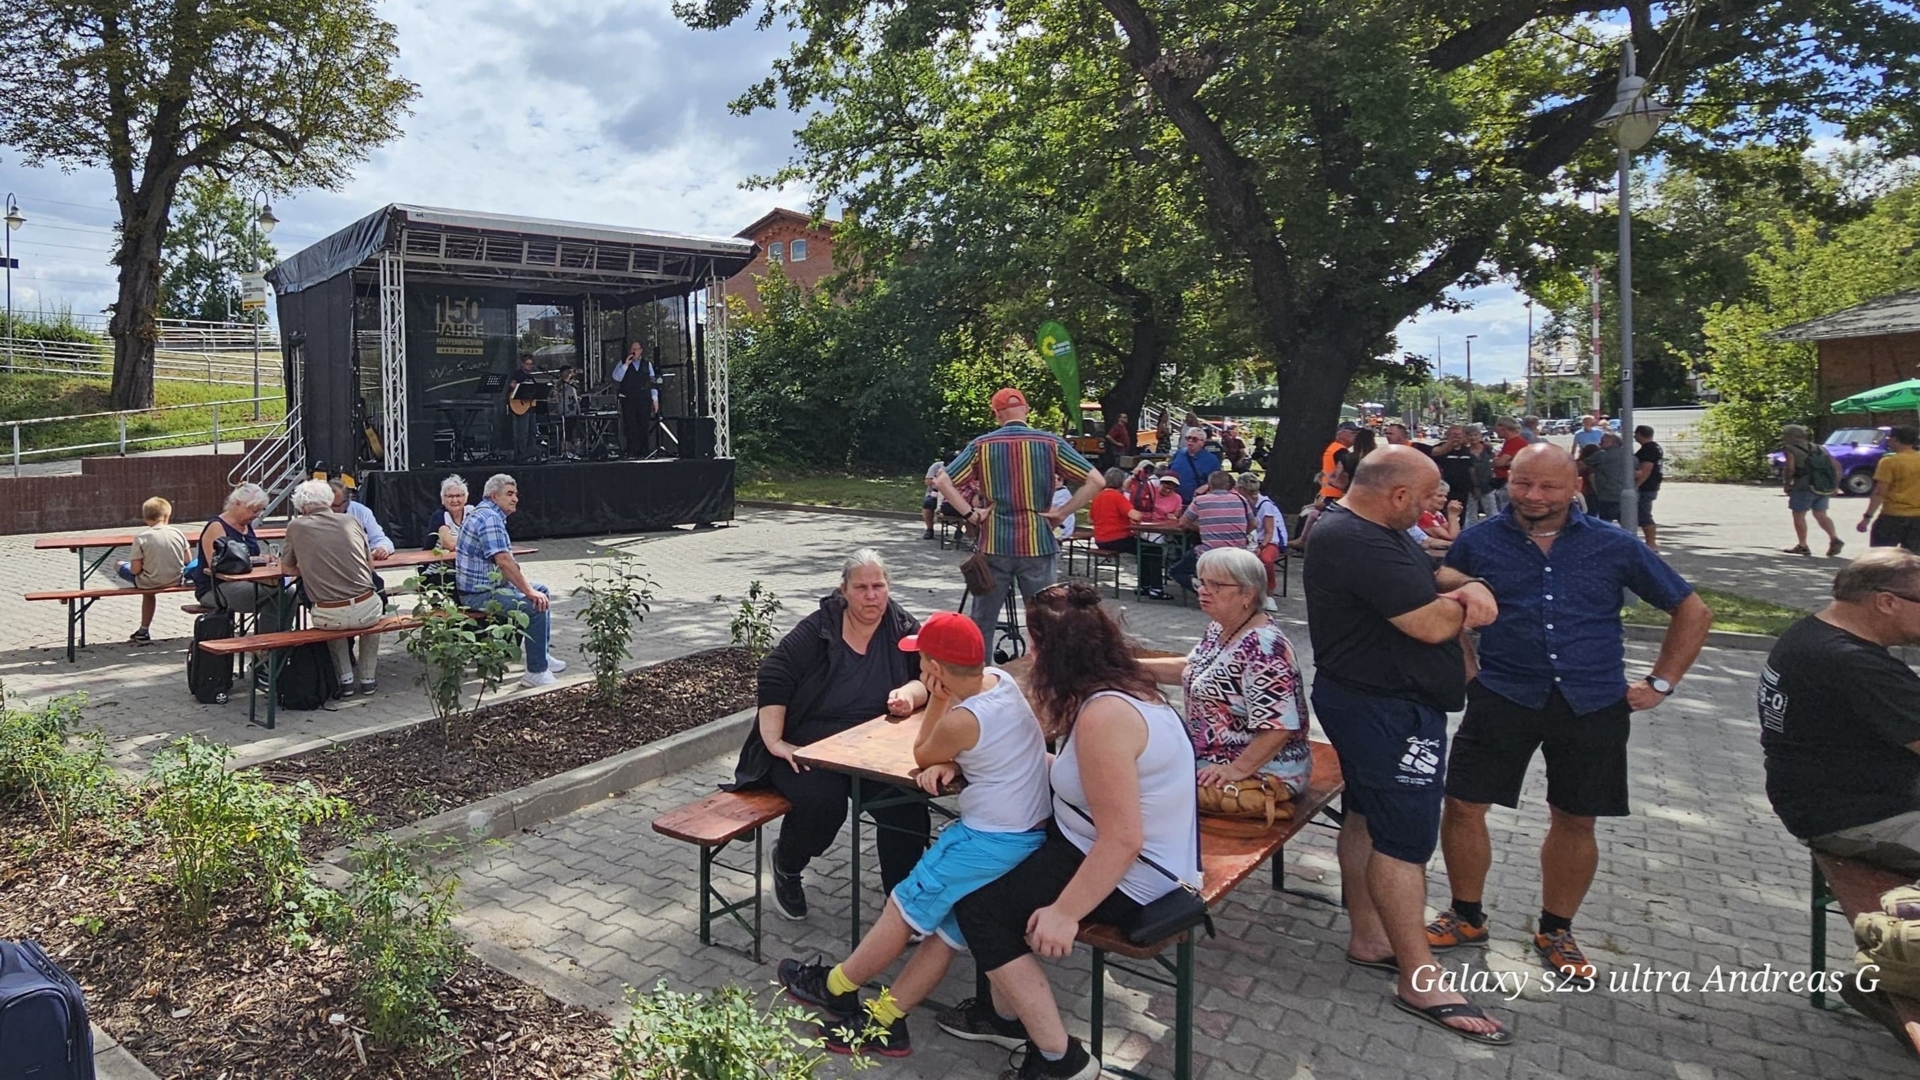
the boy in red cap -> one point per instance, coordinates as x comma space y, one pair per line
978, 725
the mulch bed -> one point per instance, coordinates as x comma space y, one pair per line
234, 1000
399, 777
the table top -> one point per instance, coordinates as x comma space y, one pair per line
269, 572
1140, 528
192, 532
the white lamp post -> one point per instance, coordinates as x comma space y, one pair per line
1470, 338
1529, 361
1633, 120
263, 222
14, 221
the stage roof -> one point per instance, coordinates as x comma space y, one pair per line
530, 252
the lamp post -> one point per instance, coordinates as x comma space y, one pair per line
14, 221
1633, 120
263, 223
1470, 338
1529, 359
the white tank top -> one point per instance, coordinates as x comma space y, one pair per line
1169, 808
1006, 769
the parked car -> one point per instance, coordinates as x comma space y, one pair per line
1855, 450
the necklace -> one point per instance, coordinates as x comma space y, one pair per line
1226, 640
1544, 535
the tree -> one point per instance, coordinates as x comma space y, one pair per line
284, 95
212, 241
1354, 161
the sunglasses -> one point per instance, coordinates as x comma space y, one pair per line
1901, 595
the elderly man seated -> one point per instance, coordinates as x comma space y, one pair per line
485, 551
1840, 717
344, 503
329, 552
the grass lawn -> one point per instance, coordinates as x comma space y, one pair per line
1731, 611
831, 489
26, 397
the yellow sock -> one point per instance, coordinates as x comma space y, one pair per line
884, 1010
838, 983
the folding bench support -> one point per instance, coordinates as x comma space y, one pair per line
714, 903
1181, 970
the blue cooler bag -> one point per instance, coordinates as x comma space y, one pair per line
43, 1018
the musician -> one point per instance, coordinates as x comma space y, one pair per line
639, 394
566, 400
526, 431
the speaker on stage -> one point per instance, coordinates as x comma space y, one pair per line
695, 434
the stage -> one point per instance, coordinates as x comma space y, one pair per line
571, 498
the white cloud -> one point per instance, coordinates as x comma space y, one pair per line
1497, 314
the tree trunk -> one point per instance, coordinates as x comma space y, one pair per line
1309, 412
133, 327
1142, 365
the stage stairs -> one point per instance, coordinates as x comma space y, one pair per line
277, 462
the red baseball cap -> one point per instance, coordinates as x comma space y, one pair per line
1008, 398
950, 638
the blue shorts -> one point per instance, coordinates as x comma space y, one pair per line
1393, 757
1802, 501
962, 861
125, 570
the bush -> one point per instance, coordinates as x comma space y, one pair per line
395, 923
62, 771
449, 644
753, 625
728, 1036
619, 595
221, 830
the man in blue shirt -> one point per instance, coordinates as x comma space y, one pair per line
379, 545
1552, 676
485, 548
1193, 464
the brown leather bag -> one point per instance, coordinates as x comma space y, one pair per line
978, 574
1245, 807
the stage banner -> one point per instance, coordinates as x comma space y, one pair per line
1056, 348
457, 334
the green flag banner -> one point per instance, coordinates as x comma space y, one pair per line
1057, 349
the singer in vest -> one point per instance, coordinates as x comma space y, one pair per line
639, 395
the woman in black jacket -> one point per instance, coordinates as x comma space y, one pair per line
841, 667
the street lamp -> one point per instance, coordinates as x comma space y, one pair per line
1633, 120
263, 222
14, 221
1470, 338
1529, 359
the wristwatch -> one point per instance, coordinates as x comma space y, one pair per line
1660, 685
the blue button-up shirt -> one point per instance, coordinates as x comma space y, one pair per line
1193, 470
1559, 625
483, 536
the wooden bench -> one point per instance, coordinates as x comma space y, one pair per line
711, 824
1856, 887
79, 600
275, 645
1225, 862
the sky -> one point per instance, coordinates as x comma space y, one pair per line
572, 110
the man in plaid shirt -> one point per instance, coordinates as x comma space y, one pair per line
486, 548
1017, 468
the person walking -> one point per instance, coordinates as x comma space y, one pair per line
1809, 476
1016, 469
1388, 668
1896, 493
1647, 474
1552, 677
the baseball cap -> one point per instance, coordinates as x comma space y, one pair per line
1008, 398
950, 638
1169, 478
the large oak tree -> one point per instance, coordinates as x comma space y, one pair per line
280, 94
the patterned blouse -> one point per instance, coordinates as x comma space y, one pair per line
1234, 696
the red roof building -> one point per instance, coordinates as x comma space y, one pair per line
787, 237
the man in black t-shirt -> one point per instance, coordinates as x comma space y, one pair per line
1840, 717
1647, 474
1388, 667
1456, 460
524, 420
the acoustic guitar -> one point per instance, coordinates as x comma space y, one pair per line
521, 407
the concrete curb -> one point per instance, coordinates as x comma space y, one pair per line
1719, 639
111, 1061
892, 515
543, 800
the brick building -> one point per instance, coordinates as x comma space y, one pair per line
1865, 346
788, 237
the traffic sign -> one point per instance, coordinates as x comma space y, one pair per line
253, 292
10, 264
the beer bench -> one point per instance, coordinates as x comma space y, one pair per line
276, 644
1856, 887
711, 824
79, 600
1225, 862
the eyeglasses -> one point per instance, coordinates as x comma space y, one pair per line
1043, 593
1901, 595
1216, 586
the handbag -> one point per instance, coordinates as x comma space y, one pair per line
978, 574
1173, 913
1262, 798
231, 556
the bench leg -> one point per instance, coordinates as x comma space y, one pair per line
706, 893
714, 904
73, 616
1822, 898
273, 688
853, 891
1097, 1033
1183, 1010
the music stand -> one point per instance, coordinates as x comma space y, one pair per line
659, 449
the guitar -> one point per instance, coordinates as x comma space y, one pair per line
521, 408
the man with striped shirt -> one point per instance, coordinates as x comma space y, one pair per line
1016, 468
1221, 517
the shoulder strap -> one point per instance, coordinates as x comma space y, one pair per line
1164, 872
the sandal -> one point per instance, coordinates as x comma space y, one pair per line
1438, 1015
1386, 963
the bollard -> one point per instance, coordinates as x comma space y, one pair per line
121, 420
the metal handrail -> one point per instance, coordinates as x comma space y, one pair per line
276, 462
141, 412
232, 365
122, 441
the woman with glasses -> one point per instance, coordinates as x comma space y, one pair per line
1246, 705
1122, 795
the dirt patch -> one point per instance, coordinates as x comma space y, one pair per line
399, 777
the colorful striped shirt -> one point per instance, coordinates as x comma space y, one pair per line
1223, 519
1017, 468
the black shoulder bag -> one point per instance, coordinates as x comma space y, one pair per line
1176, 912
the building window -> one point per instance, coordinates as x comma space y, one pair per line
774, 252
799, 251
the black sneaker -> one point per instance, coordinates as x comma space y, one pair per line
807, 984
975, 1021
789, 895
893, 1042
1076, 1065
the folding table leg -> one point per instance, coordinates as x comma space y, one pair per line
1096, 1037
853, 890
1183, 1010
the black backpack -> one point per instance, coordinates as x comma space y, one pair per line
307, 679
43, 1018
1823, 473
210, 677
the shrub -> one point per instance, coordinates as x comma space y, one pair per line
725, 1036
619, 595
753, 624
220, 830
395, 923
449, 644
64, 772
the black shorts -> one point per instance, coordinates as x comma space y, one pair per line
1889, 531
993, 918
1393, 753
1586, 755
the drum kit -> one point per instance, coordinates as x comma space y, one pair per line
473, 429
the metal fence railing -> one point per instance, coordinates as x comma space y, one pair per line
231, 365
122, 440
